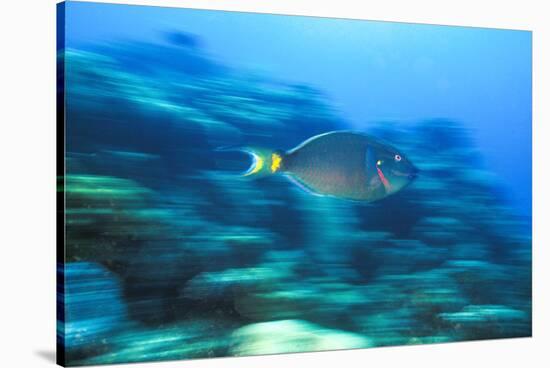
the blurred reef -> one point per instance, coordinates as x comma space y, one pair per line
170, 255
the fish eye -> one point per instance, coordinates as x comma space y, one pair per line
379, 162
397, 158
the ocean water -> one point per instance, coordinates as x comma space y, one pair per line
172, 254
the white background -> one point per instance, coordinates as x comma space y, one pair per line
27, 154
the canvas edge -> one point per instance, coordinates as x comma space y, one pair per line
60, 178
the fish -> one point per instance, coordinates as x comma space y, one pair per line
341, 164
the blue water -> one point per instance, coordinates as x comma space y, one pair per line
171, 255
370, 70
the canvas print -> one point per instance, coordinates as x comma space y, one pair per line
236, 184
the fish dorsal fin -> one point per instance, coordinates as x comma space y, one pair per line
314, 138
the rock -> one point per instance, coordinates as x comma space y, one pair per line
195, 338
481, 281
292, 336
484, 313
288, 300
214, 285
395, 257
488, 322
470, 251
439, 231
94, 309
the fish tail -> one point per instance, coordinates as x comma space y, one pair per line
265, 161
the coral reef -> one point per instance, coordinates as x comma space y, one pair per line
172, 255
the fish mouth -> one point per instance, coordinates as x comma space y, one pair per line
413, 174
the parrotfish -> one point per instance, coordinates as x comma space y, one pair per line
347, 165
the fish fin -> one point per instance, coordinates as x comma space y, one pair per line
303, 186
265, 161
376, 175
310, 191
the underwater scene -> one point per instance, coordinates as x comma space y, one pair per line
239, 184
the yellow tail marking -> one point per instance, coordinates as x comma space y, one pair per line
275, 162
258, 164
